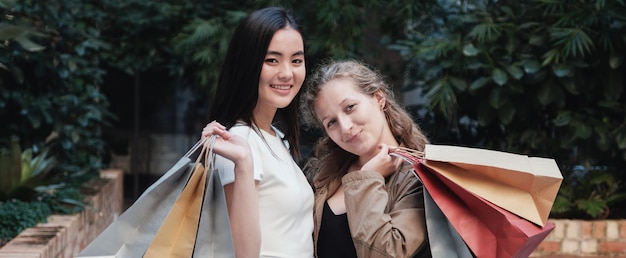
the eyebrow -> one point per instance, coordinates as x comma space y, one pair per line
340, 103
272, 52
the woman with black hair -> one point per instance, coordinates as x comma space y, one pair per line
269, 200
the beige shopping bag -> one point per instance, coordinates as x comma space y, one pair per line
177, 235
525, 186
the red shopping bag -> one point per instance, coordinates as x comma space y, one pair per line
487, 229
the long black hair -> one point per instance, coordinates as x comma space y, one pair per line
237, 90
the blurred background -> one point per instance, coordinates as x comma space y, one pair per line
86, 85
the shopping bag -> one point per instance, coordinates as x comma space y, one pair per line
177, 234
494, 231
488, 230
444, 240
525, 186
133, 232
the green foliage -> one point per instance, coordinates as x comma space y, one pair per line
539, 77
22, 35
139, 32
50, 107
16, 216
50, 97
10, 169
203, 43
337, 29
28, 196
589, 194
7, 3
27, 179
36, 167
62, 199
21, 176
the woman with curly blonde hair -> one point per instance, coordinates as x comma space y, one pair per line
367, 202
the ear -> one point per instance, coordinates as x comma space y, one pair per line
381, 99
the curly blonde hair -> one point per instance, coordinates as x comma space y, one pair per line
328, 155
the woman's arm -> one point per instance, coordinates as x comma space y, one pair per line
397, 231
243, 210
242, 194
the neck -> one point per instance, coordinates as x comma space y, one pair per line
263, 119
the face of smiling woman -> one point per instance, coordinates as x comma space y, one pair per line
353, 120
282, 73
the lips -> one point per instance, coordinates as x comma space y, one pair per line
353, 137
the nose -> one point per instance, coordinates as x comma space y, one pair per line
285, 72
346, 126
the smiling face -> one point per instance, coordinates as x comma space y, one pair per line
283, 71
352, 119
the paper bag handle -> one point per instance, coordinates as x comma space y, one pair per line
195, 147
412, 156
203, 153
209, 157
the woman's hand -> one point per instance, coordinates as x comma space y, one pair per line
384, 163
227, 145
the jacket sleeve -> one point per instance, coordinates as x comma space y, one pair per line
385, 219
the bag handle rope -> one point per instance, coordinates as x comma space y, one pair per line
408, 154
207, 144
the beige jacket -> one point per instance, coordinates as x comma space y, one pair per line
386, 216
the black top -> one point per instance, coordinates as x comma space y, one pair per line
334, 239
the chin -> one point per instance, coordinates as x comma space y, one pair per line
284, 104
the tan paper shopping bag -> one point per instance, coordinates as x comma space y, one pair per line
525, 186
177, 235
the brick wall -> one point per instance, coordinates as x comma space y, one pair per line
599, 238
64, 236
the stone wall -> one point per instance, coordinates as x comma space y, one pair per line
583, 238
64, 236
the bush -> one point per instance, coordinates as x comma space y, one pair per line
49, 84
16, 216
543, 78
28, 196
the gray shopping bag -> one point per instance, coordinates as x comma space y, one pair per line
444, 240
130, 235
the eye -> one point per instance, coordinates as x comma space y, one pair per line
330, 123
298, 61
271, 60
350, 107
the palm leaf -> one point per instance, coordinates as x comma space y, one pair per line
573, 42
485, 32
441, 96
